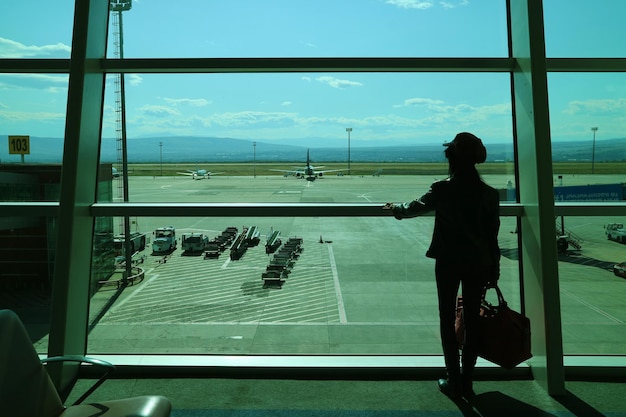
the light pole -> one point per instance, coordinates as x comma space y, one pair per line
348, 129
161, 155
593, 150
117, 7
254, 158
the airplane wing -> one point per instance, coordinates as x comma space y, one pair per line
329, 170
291, 171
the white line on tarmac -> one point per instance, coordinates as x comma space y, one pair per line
333, 266
591, 306
125, 300
226, 263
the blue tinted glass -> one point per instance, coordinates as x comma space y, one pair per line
321, 28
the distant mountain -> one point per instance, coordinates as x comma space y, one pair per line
210, 149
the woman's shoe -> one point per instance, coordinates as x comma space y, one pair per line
451, 389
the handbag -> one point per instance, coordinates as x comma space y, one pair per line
505, 334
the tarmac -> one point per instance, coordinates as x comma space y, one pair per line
361, 286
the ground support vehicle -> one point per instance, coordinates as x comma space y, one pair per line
137, 243
273, 241
212, 250
194, 242
239, 246
252, 236
273, 278
218, 244
164, 240
616, 232
281, 264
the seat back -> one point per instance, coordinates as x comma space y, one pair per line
25, 387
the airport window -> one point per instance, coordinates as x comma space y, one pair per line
592, 270
32, 113
588, 168
325, 286
37, 30
584, 30
205, 126
321, 28
584, 107
586, 123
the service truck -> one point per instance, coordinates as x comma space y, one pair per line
137, 243
164, 240
616, 232
194, 242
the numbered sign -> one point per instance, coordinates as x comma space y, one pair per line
19, 145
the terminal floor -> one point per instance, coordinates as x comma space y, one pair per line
373, 398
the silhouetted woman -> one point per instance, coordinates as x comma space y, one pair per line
465, 247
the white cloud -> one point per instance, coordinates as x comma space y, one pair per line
158, 111
13, 49
452, 5
412, 4
428, 102
23, 116
286, 103
337, 83
133, 79
602, 106
439, 106
251, 118
194, 102
46, 82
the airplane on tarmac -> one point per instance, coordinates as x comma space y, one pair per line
309, 172
199, 174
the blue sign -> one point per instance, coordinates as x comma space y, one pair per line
599, 192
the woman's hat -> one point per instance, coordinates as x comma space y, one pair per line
468, 148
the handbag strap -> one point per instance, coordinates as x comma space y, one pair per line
501, 301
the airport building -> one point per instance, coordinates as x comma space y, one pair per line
66, 216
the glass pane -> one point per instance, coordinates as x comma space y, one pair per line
32, 115
27, 253
591, 273
587, 123
588, 153
342, 292
350, 124
584, 29
321, 28
36, 29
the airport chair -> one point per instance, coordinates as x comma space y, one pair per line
26, 389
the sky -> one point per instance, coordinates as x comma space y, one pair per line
314, 109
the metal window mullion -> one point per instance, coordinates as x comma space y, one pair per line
71, 278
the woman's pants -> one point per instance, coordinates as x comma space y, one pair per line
472, 279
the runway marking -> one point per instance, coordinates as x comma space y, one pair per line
280, 323
594, 308
340, 306
143, 287
193, 290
